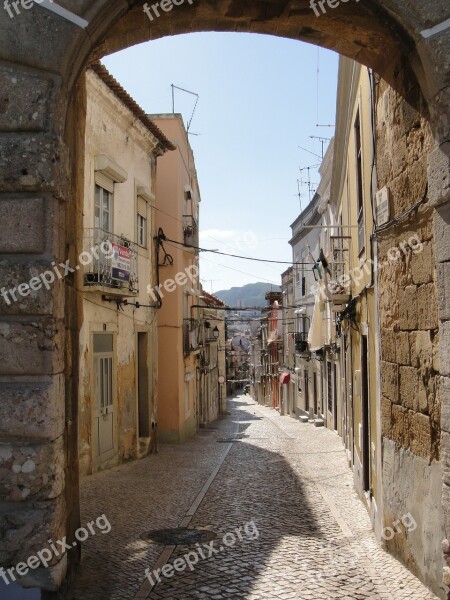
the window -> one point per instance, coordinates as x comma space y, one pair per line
330, 386
142, 222
359, 183
305, 324
142, 231
103, 208
303, 286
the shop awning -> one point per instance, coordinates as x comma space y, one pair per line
285, 378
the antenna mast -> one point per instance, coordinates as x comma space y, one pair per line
175, 87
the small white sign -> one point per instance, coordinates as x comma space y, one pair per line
383, 212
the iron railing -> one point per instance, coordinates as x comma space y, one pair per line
301, 343
190, 335
190, 230
113, 262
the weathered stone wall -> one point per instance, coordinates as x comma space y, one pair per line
410, 366
41, 57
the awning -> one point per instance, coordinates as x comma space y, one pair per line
315, 335
285, 378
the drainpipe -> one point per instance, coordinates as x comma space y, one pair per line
379, 518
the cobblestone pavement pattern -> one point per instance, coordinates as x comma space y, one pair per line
290, 479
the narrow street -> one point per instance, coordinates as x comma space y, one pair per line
303, 531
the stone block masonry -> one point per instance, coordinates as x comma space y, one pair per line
41, 58
410, 367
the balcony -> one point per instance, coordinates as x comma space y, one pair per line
190, 336
190, 230
339, 267
301, 343
113, 265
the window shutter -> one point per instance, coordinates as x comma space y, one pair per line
104, 182
142, 207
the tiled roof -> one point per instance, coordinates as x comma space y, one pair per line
131, 104
214, 300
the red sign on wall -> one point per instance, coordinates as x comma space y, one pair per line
120, 263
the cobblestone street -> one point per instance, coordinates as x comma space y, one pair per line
310, 536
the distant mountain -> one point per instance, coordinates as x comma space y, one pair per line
252, 294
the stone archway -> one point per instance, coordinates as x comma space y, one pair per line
42, 56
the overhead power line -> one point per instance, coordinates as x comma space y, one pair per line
163, 238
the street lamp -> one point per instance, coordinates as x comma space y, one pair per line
216, 333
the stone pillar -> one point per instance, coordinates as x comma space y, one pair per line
35, 500
439, 181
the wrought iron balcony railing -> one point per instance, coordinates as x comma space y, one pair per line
190, 230
190, 335
301, 343
113, 264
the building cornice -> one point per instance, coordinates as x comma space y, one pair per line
102, 72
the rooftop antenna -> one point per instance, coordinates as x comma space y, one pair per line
175, 87
299, 194
210, 281
309, 151
321, 139
317, 90
308, 181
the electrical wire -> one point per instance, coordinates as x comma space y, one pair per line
239, 271
404, 215
122, 313
167, 214
277, 262
228, 244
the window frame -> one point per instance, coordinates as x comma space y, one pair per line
359, 182
101, 209
142, 231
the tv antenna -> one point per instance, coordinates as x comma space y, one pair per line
210, 281
189, 123
317, 89
299, 194
308, 182
321, 139
309, 151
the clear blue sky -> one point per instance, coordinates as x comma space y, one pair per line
258, 104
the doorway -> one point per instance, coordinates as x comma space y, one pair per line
365, 450
104, 395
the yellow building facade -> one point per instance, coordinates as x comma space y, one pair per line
352, 285
118, 343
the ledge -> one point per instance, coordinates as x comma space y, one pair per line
107, 166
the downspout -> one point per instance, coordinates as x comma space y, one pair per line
379, 516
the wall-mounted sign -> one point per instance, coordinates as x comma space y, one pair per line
383, 212
120, 263
221, 379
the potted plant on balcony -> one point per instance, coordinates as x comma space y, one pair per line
122, 240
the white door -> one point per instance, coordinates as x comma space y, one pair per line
103, 398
